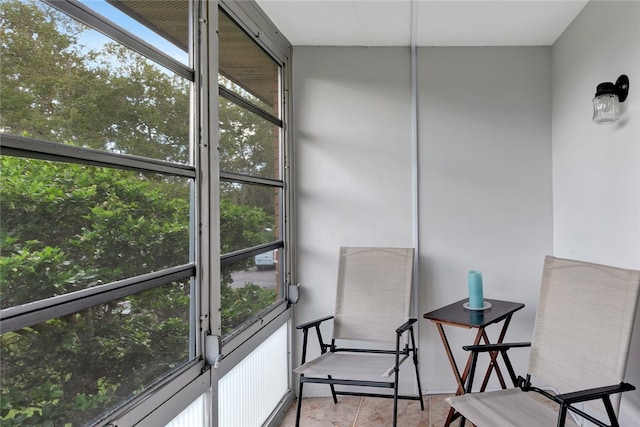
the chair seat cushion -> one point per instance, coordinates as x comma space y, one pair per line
506, 408
345, 365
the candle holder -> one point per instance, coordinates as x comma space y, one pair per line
485, 306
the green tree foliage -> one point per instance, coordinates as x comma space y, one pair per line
90, 225
39, 41
67, 227
148, 108
55, 89
239, 304
249, 146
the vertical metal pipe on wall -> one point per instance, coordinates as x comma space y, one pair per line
414, 140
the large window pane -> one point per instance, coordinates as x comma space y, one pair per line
251, 189
163, 24
249, 215
248, 291
65, 227
68, 370
246, 69
249, 144
66, 83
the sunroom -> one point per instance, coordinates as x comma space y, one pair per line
172, 170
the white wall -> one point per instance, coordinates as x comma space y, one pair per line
352, 123
485, 187
596, 169
485, 161
504, 180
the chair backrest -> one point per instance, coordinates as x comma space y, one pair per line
374, 293
583, 324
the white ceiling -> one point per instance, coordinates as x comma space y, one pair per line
438, 23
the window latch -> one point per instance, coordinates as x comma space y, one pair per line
213, 350
294, 293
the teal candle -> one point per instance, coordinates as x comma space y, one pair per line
476, 299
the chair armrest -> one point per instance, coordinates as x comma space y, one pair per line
502, 349
495, 347
313, 323
594, 393
406, 325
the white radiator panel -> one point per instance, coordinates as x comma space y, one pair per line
195, 415
249, 393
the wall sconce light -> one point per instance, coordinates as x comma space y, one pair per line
606, 103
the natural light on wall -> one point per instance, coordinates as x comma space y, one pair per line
249, 392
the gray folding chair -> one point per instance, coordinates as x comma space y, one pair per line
580, 345
373, 304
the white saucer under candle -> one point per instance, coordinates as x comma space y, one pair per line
485, 306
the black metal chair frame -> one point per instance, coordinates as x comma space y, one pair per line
409, 349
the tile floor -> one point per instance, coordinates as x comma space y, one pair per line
368, 412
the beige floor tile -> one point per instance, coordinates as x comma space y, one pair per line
438, 410
379, 412
322, 412
368, 412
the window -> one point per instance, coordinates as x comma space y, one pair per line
108, 240
97, 268
68, 227
71, 369
252, 181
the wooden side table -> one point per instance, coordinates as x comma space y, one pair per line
458, 316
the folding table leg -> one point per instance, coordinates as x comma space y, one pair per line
460, 378
493, 363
